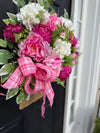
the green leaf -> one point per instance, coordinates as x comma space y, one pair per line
12, 16
19, 3
40, 2
5, 69
3, 43
10, 45
6, 77
18, 36
4, 56
60, 82
23, 95
68, 61
11, 93
66, 14
9, 21
30, 0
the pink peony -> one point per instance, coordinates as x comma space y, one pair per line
53, 61
44, 31
53, 21
73, 40
75, 55
64, 74
35, 47
10, 30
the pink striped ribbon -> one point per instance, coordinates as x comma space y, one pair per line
43, 74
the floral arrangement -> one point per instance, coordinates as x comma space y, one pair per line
38, 48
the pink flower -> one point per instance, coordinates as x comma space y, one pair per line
64, 74
73, 40
10, 30
75, 55
44, 31
53, 21
35, 47
53, 61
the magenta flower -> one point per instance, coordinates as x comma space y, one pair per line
75, 55
64, 74
44, 31
35, 47
73, 40
53, 21
9, 31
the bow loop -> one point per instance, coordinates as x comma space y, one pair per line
27, 66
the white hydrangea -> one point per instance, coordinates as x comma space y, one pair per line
62, 48
68, 23
27, 14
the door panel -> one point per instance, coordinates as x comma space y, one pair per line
29, 120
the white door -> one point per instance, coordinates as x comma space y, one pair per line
82, 85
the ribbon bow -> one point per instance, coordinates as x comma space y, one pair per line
43, 74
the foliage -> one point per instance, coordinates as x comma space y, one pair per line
62, 29
47, 4
60, 82
19, 3
68, 61
97, 126
11, 93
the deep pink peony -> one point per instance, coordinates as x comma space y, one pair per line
53, 21
53, 61
10, 30
35, 47
75, 55
73, 40
64, 74
44, 31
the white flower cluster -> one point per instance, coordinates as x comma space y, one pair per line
62, 48
68, 23
27, 15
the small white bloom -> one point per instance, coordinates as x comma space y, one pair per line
68, 23
62, 48
27, 15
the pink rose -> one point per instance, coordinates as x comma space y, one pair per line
35, 47
64, 74
53, 61
9, 31
53, 21
75, 55
44, 31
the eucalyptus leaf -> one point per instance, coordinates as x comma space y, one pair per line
23, 95
19, 3
3, 43
5, 69
12, 16
11, 93
9, 21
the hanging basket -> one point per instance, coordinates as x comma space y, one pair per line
33, 98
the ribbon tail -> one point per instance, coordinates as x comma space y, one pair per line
14, 80
27, 87
43, 105
49, 92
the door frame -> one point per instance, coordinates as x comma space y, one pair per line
88, 68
